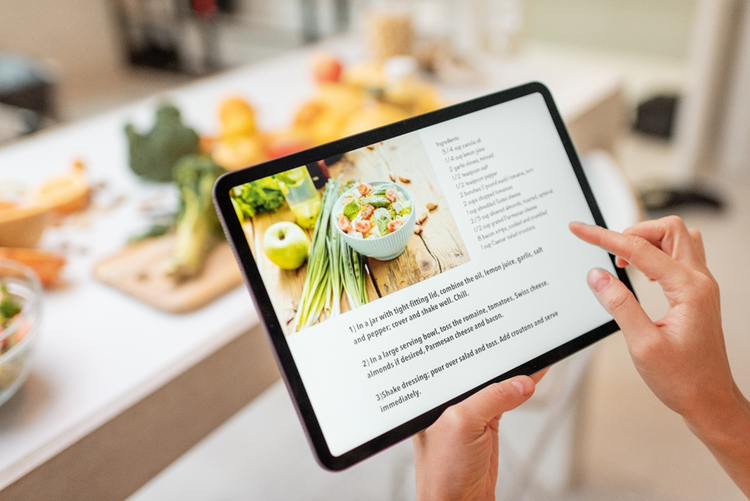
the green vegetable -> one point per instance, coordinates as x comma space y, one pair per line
153, 155
382, 217
316, 292
351, 210
257, 197
198, 227
9, 307
332, 267
354, 278
375, 201
334, 249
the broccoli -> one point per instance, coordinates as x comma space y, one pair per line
154, 154
198, 228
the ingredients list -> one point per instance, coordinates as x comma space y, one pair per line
496, 207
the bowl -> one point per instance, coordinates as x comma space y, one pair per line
382, 248
22, 225
18, 338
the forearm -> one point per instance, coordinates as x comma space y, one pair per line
727, 436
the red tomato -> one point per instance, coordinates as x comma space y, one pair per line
391, 194
364, 189
366, 212
394, 225
344, 224
363, 227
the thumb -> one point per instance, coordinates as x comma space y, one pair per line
491, 402
620, 303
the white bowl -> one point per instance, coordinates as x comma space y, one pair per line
389, 246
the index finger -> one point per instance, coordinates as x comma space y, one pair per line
637, 251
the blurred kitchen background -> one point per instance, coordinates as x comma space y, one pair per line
685, 149
95, 55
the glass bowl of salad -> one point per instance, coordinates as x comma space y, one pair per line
20, 314
376, 219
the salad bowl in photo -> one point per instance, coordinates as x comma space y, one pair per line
376, 219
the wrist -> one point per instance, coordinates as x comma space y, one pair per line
721, 425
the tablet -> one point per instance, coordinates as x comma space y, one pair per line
439, 262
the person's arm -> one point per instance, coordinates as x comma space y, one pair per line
681, 357
457, 457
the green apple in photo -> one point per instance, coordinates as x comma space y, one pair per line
286, 245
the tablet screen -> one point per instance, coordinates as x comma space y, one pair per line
439, 260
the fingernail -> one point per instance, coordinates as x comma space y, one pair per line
522, 385
580, 223
598, 279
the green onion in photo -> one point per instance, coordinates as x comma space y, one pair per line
332, 268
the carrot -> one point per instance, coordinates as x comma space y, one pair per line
46, 265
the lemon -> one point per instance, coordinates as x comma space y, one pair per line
64, 194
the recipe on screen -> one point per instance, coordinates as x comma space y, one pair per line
412, 270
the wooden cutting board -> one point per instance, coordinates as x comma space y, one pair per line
138, 270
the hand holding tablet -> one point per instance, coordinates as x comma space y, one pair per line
457, 457
440, 262
681, 357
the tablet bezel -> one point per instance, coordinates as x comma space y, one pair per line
251, 273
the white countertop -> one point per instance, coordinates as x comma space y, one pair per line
99, 349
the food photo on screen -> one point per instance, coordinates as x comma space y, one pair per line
335, 235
